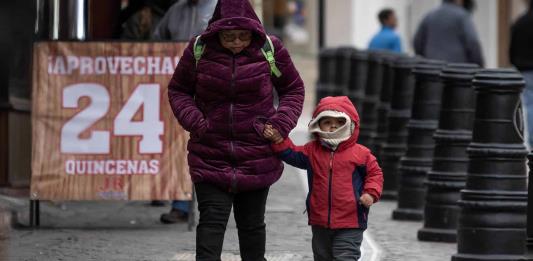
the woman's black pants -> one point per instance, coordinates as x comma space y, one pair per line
215, 206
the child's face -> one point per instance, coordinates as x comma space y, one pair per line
331, 124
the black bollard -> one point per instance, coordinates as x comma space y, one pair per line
357, 78
420, 144
492, 219
385, 96
450, 161
374, 82
326, 74
399, 115
343, 63
529, 230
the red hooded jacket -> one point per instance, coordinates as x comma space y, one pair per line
336, 178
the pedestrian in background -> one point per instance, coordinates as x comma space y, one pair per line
222, 93
521, 55
469, 5
139, 20
280, 13
344, 178
387, 38
183, 20
447, 33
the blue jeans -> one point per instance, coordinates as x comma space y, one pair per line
528, 103
182, 205
337, 244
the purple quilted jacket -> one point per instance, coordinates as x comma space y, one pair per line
225, 100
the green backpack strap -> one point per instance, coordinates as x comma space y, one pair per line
198, 49
268, 52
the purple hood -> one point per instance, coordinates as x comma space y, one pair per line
225, 100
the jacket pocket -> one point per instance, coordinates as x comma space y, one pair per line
198, 134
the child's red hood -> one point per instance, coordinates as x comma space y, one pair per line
342, 104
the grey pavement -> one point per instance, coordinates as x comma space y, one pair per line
397, 239
131, 230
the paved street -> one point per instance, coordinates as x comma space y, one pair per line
131, 231
84, 92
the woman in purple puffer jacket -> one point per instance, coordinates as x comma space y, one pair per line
224, 99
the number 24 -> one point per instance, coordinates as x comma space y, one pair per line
150, 128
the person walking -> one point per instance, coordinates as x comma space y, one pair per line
521, 56
222, 93
386, 38
344, 178
447, 33
184, 20
139, 19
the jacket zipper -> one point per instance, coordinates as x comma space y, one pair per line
330, 187
233, 181
232, 148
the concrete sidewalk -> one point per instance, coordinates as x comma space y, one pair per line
397, 240
131, 230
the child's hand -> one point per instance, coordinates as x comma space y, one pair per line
366, 200
272, 134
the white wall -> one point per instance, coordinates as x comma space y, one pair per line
363, 16
409, 13
339, 24
415, 12
366, 22
311, 24
486, 22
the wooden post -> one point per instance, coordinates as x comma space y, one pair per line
321, 23
4, 147
504, 32
4, 110
267, 11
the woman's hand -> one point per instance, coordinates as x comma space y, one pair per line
366, 200
272, 134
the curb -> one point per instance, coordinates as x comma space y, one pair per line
6, 222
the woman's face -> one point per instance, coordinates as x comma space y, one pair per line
235, 40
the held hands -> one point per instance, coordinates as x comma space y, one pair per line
272, 134
366, 200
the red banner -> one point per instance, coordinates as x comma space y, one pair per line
102, 124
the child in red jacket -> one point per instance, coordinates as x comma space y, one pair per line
343, 176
